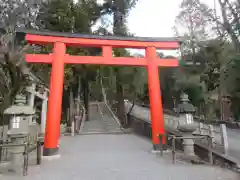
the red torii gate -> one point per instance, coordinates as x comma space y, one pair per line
59, 57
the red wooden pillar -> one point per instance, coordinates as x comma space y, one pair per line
154, 96
55, 101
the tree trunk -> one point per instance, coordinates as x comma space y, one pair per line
104, 96
118, 23
78, 96
227, 25
85, 88
7, 101
120, 99
71, 108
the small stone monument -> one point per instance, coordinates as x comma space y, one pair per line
18, 132
187, 126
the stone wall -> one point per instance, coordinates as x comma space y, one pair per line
172, 122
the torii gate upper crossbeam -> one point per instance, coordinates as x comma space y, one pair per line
59, 57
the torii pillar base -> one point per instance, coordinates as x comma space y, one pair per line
52, 157
51, 152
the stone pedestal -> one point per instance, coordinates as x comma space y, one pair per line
30, 101
188, 143
44, 114
16, 164
188, 146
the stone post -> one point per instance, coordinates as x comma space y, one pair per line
201, 128
31, 98
44, 113
224, 137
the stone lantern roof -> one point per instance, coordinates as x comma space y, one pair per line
185, 106
20, 107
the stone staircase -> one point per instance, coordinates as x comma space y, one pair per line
100, 121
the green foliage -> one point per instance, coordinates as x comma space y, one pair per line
209, 67
216, 76
67, 16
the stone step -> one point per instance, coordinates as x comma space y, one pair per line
99, 123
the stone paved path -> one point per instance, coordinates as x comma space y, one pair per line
116, 157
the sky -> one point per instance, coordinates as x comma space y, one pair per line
155, 18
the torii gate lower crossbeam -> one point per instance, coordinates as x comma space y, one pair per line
59, 57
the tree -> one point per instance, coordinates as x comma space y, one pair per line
14, 72
67, 16
17, 13
226, 25
192, 22
230, 25
119, 9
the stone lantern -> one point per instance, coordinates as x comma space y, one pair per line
187, 125
18, 131
186, 111
19, 114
